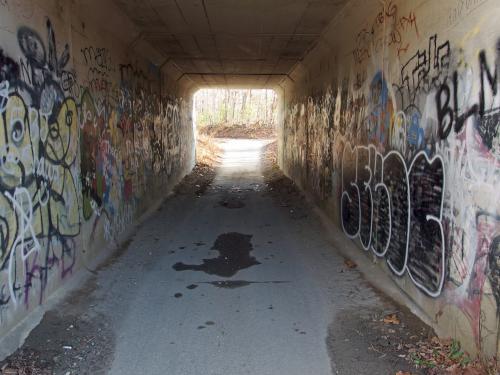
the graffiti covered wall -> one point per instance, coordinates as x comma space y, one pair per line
87, 144
394, 127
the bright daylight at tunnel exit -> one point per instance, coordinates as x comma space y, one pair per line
260, 187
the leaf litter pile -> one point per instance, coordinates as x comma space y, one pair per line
439, 356
445, 356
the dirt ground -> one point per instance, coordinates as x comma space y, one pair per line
70, 339
200, 178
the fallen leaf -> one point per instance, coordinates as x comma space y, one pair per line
436, 340
391, 319
350, 264
403, 373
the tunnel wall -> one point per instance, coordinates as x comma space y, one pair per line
392, 124
90, 139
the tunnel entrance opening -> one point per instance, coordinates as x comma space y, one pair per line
232, 125
236, 113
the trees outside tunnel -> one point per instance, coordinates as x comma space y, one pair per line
225, 111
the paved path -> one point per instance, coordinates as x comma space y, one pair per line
231, 282
273, 320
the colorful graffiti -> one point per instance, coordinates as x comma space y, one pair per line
413, 157
74, 154
38, 168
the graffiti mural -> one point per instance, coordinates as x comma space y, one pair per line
396, 211
78, 152
410, 134
38, 168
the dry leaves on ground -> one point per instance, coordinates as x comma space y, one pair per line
350, 264
446, 357
391, 319
207, 151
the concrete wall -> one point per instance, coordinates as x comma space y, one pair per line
393, 124
92, 135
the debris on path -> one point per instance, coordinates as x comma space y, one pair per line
71, 339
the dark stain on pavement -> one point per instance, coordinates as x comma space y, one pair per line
230, 284
232, 203
233, 284
234, 255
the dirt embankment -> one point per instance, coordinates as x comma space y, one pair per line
253, 131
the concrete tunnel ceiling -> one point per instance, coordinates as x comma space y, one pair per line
231, 43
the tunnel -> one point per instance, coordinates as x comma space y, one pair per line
363, 239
